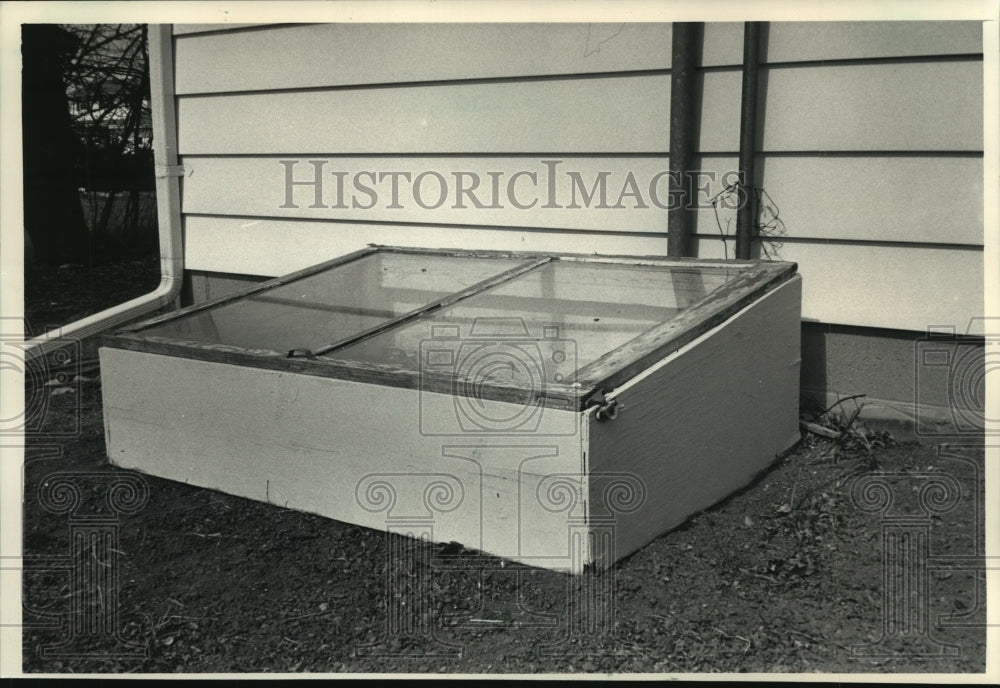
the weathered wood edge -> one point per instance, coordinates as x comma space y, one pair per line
623, 363
553, 396
622, 259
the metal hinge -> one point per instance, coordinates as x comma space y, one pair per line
606, 409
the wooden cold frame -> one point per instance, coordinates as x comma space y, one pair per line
600, 376
704, 401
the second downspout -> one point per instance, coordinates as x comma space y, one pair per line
746, 215
684, 59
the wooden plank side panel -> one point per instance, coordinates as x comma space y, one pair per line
890, 286
320, 55
877, 107
701, 424
294, 441
884, 198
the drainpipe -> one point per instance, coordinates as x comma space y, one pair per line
683, 128
168, 208
747, 213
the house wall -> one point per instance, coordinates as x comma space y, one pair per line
870, 137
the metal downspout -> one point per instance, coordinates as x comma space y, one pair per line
168, 209
683, 130
747, 213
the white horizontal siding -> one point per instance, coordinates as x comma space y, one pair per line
322, 55
595, 115
872, 159
918, 106
883, 107
901, 287
898, 287
880, 198
859, 40
256, 186
274, 247
860, 198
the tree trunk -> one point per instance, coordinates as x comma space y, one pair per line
52, 214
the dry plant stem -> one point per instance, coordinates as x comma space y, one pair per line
841, 401
847, 428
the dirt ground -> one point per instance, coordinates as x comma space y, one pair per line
799, 572
58, 294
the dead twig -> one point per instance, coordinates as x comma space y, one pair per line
722, 233
818, 641
847, 428
820, 430
738, 637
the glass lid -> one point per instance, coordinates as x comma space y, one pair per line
335, 304
566, 324
555, 319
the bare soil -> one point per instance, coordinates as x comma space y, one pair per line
58, 294
799, 572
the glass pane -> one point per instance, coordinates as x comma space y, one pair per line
548, 322
326, 307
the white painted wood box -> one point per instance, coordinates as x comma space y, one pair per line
558, 410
